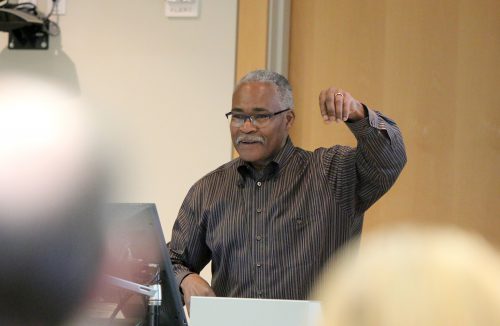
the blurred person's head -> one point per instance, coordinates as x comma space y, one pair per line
50, 196
415, 277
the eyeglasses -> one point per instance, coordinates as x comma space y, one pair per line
258, 120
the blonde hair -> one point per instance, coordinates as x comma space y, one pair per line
408, 276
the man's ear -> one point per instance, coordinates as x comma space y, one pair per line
290, 118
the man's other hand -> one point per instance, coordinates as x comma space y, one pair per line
194, 285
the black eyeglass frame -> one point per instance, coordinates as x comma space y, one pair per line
253, 117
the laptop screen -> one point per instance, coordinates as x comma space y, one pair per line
138, 285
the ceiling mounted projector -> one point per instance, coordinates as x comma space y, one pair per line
27, 28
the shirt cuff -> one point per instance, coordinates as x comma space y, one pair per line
180, 275
372, 123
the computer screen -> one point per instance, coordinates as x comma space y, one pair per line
136, 262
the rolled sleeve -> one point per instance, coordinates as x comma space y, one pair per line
188, 250
369, 170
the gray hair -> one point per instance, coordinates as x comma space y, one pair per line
266, 76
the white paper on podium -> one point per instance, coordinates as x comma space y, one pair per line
210, 311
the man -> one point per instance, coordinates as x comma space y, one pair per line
270, 219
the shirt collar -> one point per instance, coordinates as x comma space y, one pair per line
285, 153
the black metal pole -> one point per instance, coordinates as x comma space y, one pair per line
154, 315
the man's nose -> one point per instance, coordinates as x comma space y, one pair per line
247, 126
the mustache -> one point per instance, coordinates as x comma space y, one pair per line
250, 138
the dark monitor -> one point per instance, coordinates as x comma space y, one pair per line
136, 254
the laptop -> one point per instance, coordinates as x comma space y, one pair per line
210, 311
138, 286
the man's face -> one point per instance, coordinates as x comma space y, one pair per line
258, 145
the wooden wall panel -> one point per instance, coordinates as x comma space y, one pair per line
434, 68
251, 46
252, 36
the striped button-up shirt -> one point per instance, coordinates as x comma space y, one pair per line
269, 234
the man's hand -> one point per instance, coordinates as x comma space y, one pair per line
193, 284
338, 105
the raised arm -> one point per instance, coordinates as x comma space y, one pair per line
365, 173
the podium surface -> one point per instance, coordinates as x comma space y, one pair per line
210, 311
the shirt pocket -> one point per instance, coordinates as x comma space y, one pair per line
295, 238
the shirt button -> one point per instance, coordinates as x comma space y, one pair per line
259, 184
259, 210
258, 238
259, 265
259, 293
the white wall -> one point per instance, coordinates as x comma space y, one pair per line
162, 84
